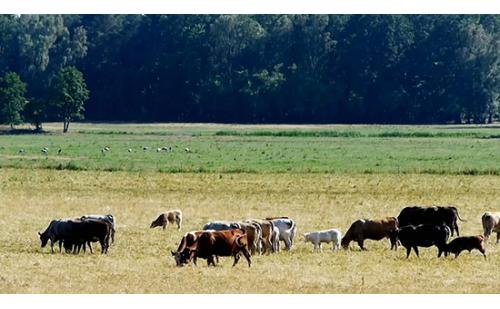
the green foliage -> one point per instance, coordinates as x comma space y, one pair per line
70, 94
12, 100
262, 68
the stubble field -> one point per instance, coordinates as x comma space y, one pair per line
34, 190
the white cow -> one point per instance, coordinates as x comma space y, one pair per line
329, 236
287, 229
491, 224
221, 225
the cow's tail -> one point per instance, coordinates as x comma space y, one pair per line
239, 241
448, 230
456, 212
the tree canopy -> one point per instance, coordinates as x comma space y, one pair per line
259, 68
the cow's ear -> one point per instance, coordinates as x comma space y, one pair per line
173, 253
39, 234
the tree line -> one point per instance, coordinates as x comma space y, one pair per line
250, 68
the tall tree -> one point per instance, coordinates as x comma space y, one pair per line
12, 100
70, 94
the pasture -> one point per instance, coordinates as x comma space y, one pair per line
322, 176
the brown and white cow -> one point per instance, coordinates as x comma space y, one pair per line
491, 223
217, 243
254, 235
266, 227
370, 229
170, 216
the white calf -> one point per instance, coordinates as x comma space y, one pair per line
328, 236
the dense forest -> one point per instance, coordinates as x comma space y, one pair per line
250, 68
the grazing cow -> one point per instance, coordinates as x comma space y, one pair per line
217, 243
327, 236
187, 240
491, 223
370, 229
55, 232
266, 227
106, 218
435, 215
170, 216
221, 225
459, 244
76, 233
287, 229
423, 235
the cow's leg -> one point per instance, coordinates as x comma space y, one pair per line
456, 228
246, 254
90, 247
416, 250
288, 243
51, 246
360, 243
320, 248
179, 223
269, 246
103, 245
408, 251
60, 245
439, 252
457, 254
113, 236
498, 237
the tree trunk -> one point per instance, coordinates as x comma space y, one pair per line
66, 126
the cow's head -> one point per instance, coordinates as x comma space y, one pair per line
181, 258
154, 224
43, 238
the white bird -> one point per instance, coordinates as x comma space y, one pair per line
158, 149
145, 148
187, 149
45, 151
107, 148
130, 150
22, 151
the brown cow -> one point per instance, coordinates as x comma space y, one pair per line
217, 243
370, 229
491, 223
169, 216
188, 240
459, 244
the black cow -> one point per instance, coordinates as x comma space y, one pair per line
76, 233
423, 235
435, 215
55, 232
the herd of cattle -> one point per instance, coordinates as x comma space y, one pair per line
414, 227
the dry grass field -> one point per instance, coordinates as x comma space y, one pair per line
140, 261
